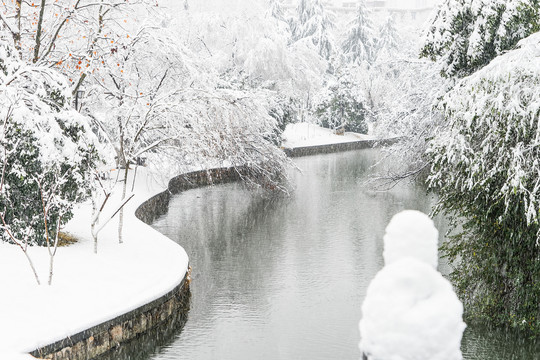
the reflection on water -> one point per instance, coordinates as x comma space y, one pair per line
284, 278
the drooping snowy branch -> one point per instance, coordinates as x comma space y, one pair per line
467, 34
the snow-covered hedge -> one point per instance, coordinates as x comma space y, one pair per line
467, 34
486, 168
47, 150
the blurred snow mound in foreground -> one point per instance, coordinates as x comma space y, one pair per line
411, 311
412, 234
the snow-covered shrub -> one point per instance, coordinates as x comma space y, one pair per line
411, 312
486, 169
467, 34
285, 111
341, 104
47, 152
412, 234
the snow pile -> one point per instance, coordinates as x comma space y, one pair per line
411, 234
411, 312
306, 134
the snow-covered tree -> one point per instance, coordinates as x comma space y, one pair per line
131, 94
405, 93
341, 104
47, 151
227, 127
74, 36
265, 60
314, 23
360, 44
388, 39
467, 34
486, 170
275, 9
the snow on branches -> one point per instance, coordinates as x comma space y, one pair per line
467, 34
493, 139
486, 170
47, 152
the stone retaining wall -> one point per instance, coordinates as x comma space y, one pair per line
102, 338
331, 148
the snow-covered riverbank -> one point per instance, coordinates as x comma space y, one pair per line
87, 289
306, 134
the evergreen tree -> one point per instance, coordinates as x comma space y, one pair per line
276, 10
314, 23
465, 35
388, 40
360, 44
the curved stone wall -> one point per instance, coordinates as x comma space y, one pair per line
100, 339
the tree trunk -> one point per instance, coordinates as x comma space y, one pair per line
51, 263
121, 214
32, 266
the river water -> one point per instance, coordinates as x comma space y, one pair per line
285, 277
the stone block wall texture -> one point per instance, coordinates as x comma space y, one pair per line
102, 338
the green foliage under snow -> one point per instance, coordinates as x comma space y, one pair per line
486, 169
467, 34
47, 152
341, 104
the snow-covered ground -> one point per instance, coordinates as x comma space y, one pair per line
306, 134
87, 289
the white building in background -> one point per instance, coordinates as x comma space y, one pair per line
405, 10
416, 10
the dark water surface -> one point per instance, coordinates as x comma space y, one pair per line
284, 278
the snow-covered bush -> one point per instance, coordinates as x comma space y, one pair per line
47, 151
411, 312
486, 169
285, 111
467, 34
341, 104
411, 233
